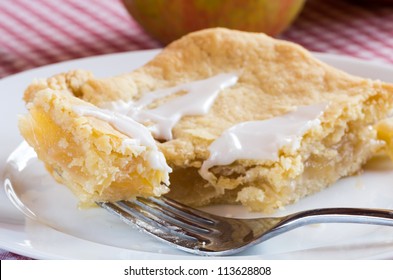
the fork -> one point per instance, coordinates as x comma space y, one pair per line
202, 233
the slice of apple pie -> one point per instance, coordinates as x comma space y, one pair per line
98, 154
239, 117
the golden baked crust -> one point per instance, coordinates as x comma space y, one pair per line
274, 77
96, 161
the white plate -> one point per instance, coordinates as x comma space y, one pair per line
57, 229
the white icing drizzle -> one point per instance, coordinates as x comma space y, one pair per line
197, 100
138, 133
262, 140
253, 140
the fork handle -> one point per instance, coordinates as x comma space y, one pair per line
337, 215
383, 217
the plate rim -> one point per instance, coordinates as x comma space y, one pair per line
31, 252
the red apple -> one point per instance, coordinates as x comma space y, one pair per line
167, 20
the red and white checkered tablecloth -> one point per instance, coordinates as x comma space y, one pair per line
40, 32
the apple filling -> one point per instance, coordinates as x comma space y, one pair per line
97, 162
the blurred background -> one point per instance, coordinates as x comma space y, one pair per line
40, 32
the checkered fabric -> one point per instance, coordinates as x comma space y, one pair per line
41, 32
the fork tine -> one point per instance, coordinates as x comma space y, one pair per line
168, 220
154, 229
184, 210
152, 221
185, 215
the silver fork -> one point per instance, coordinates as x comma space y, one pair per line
201, 233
